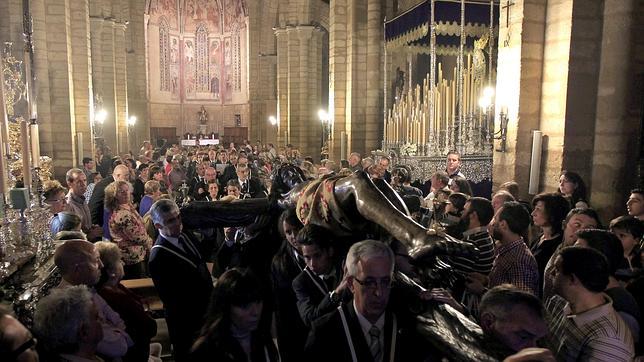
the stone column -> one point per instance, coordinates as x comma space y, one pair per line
60, 68
103, 71
137, 72
374, 100
518, 85
616, 145
308, 122
338, 73
81, 60
283, 118
120, 88
41, 71
293, 85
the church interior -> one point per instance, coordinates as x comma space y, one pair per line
521, 89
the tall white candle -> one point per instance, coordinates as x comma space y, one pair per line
24, 140
35, 144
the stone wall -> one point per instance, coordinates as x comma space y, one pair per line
562, 70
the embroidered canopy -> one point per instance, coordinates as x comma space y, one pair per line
411, 28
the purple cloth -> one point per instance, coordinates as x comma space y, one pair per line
146, 204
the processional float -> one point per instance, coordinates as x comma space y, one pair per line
453, 108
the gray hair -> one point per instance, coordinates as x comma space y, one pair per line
72, 173
110, 254
366, 250
70, 235
161, 208
69, 220
60, 316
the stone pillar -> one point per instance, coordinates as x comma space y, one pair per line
355, 64
120, 88
283, 119
60, 68
356, 77
104, 74
374, 100
81, 60
338, 74
308, 122
41, 72
298, 87
518, 84
619, 106
137, 73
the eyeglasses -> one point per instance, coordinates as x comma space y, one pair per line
54, 201
13, 355
373, 284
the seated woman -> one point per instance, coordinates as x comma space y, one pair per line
549, 212
573, 188
127, 228
231, 332
139, 324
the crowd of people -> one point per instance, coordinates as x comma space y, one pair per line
546, 280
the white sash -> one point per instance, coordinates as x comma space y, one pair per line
175, 253
392, 352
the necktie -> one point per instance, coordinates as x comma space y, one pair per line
186, 248
329, 281
374, 343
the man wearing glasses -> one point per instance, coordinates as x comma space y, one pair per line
366, 329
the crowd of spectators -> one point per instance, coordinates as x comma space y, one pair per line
546, 280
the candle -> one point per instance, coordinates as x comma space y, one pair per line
30, 106
35, 144
3, 138
24, 140
4, 128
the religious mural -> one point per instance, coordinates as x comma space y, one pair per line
202, 59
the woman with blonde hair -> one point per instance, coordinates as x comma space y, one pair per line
127, 229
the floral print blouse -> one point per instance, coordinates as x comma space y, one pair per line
128, 231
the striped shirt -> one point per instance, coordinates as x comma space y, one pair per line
482, 261
514, 264
598, 334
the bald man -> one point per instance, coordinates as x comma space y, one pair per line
80, 264
120, 173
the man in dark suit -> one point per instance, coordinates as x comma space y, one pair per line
250, 187
180, 277
198, 180
120, 173
365, 329
319, 288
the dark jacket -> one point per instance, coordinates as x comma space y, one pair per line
327, 340
312, 293
97, 201
225, 348
291, 331
139, 324
184, 285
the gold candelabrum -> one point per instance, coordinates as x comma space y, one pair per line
433, 132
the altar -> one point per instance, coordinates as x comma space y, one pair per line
200, 142
451, 109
